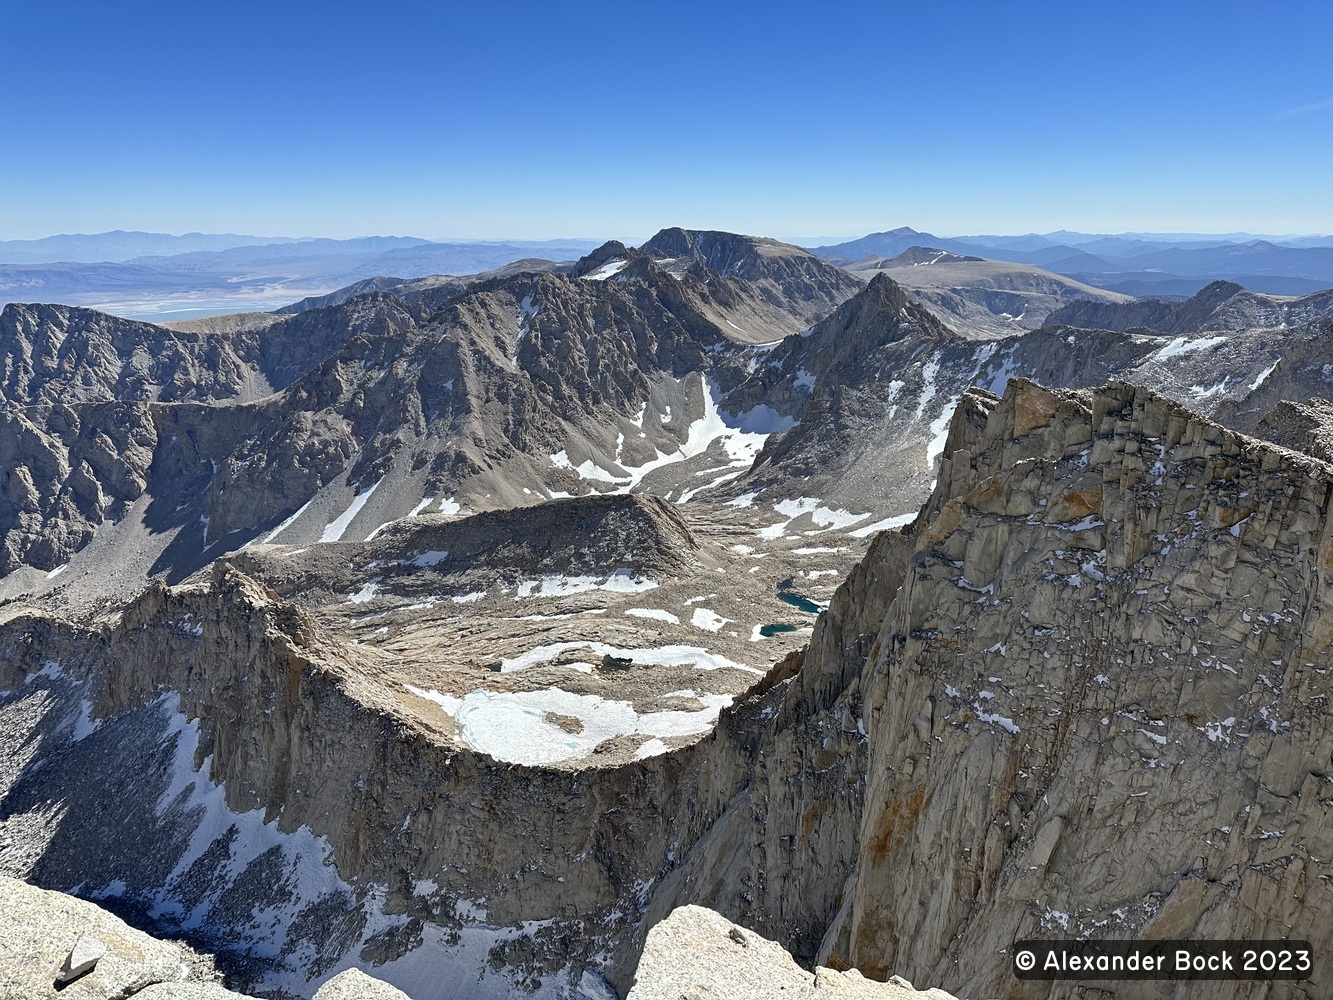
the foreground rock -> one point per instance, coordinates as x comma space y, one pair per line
356, 985
697, 953
41, 931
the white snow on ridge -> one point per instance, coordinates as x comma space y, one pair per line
1204, 391
1262, 376
365, 594
286, 524
587, 469
761, 419
999, 379
741, 436
607, 270
1180, 345
526, 310
688, 494
823, 517
651, 748
884, 525
448, 702
939, 434
514, 727
929, 387
338, 527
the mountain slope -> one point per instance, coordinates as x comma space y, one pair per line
67, 354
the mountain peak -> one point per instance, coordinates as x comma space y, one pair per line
717, 250
929, 255
608, 253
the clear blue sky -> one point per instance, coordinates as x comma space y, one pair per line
554, 119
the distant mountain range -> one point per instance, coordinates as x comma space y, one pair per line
161, 277
1131, 263
148, 276
119, 246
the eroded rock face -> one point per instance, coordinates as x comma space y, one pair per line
70, 355
1098, 704
418, 852
1306, 427
66, 471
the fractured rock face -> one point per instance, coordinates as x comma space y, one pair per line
1305, 427
1097, 704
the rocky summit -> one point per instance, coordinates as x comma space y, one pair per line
694, 619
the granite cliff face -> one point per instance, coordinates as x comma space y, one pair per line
1097, 704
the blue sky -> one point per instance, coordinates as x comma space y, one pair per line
543, 120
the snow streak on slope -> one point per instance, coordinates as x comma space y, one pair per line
299, 921
740, 437
338, 527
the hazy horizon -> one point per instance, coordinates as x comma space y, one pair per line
801, 240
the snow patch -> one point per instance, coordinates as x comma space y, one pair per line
622, 581
1181, 345
607, 270
657, 614
708, 619
514, 726
658, 656
939, 434
364, 595
339, 526
887, 524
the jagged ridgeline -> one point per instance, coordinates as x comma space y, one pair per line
464, 630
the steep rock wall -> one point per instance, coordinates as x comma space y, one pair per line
1099, 702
